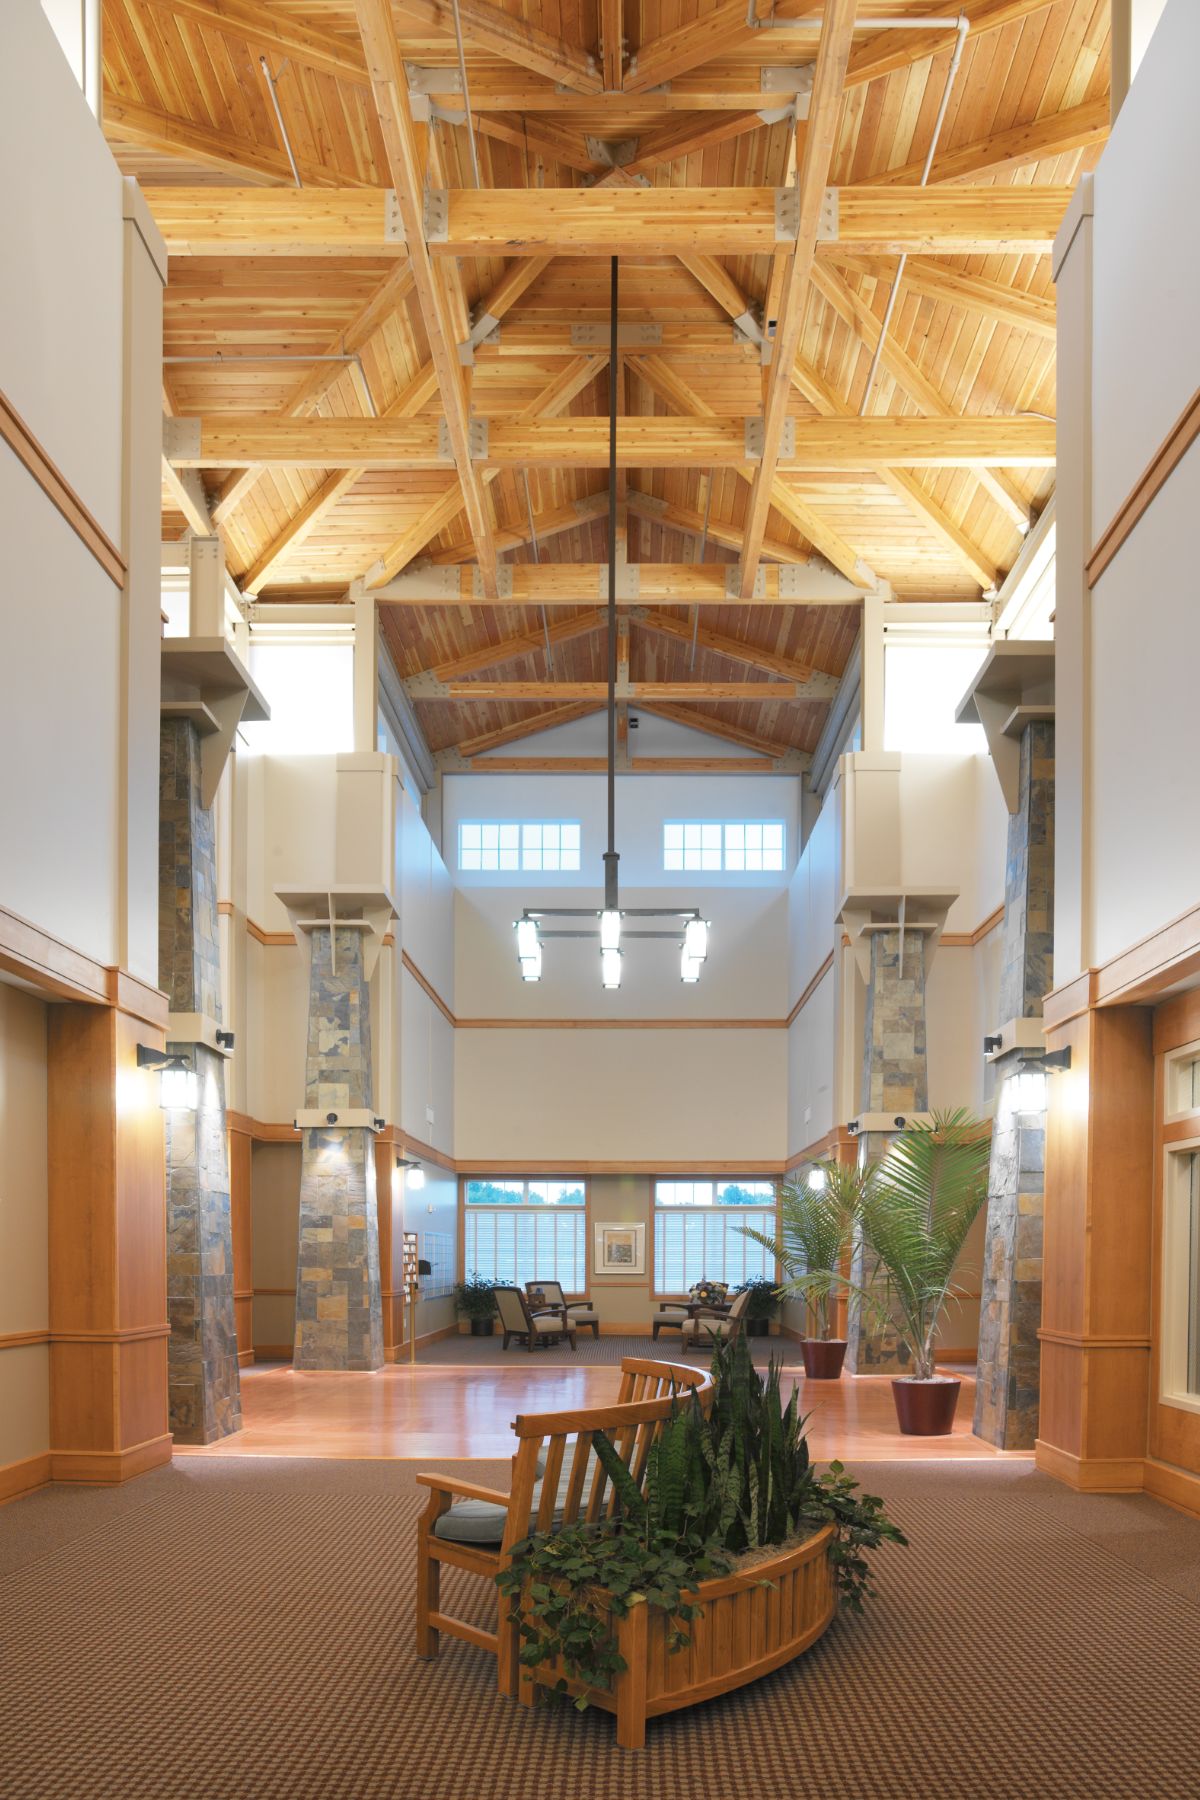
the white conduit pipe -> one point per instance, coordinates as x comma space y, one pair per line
962, 26
265, 66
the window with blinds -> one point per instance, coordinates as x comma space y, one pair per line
698, 1233
517, 1231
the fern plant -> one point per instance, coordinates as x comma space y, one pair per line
818, 1218
915, 1218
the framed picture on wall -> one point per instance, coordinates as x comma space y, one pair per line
620, 1250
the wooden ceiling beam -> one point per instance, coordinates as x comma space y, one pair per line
390, 84
523, 643
579, 442
577, 584
904, 485
1057, 133
545, 525
815, 161
527, 727
265, 28
437, 517
789, 668
603, 220
684, 137
388, 297
904, 371
951, 287
651, 691
612, 44
683, 518
717, 727
508, 35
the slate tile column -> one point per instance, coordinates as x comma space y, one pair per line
895, 1079
1007, 1394
339, 1307
202, 1359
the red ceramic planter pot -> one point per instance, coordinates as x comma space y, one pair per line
926, 1408
823, 1358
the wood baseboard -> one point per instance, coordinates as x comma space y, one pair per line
245, 1359
1091, 1475
1176, 1487
106, 1468
398, 1353
24, 1477
263, 1353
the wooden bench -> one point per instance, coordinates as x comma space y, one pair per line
556, 1479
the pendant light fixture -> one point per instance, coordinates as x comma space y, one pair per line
608, 924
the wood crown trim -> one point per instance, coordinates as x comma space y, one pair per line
56, 968
1088, 1340
1137, 975
427, 987
963, 940
22, 1340
1150, 483
809, 991
60, 493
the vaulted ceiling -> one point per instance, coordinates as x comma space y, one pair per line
340, 350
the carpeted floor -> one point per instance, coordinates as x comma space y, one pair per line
589, 1349
242, 1631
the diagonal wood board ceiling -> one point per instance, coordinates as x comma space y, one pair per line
376, 372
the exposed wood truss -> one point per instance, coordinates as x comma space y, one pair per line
394, 378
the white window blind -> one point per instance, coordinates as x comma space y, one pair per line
516, 1245
698, 1233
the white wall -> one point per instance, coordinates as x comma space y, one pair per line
61, 368
630, 1096
644, 802
1137, 641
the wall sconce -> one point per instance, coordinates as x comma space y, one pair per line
1057, 1060
992, 1043
852, 1127
224, 1039
179, 1090
414, 1173
899, 1121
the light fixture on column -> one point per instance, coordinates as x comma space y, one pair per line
414, 1172
179, 1090
610, 923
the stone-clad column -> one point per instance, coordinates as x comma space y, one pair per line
895, 1079
204, 1390
339, 1310
1006, 1398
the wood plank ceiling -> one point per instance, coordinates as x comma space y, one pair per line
668, 95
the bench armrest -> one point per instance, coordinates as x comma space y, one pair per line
463, 1490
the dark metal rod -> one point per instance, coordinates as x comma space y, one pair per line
593, 912
611, 859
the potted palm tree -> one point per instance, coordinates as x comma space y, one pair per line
915, 1218
818, 1217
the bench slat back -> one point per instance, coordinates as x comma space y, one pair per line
549, 1443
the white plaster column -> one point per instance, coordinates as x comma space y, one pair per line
1072, 624
145, 274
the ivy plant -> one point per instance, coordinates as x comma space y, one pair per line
739, 1478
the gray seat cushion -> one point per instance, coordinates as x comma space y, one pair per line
482, 1521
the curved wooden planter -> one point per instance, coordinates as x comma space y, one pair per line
745, 1631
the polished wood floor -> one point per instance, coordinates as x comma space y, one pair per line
456, 1411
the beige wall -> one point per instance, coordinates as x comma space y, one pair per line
275, 1218
24, 1300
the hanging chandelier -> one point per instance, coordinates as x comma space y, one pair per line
690, 930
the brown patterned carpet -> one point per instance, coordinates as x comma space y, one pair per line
241, 1630
589, 1349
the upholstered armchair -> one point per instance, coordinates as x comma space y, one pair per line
708, 1323
530, 1328
548, 1296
